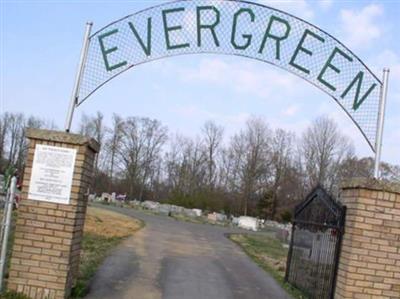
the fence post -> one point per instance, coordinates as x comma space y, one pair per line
7, 225
289, 258
3, 220
338, 250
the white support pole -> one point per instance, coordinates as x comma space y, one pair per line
78, 78
3, 221
7, 226
381, 122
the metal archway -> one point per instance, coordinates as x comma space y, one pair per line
238, 28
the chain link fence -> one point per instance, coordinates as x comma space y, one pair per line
236, 28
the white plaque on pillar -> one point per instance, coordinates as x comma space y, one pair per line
52, 173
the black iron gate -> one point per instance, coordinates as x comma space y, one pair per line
315, 246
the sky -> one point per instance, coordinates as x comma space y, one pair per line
41, 41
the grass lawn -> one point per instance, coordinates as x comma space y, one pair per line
269, 254
103, 230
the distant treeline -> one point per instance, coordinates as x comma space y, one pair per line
257, 171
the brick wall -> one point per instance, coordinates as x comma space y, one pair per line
48, 236
369, 265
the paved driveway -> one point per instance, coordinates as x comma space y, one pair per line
178, 260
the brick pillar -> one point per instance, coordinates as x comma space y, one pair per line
369, 266
45, 257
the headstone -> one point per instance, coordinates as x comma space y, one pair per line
249, 223
221, 217
189, 213
105, 197
235, 220
217, 217
164, 209
121, 197
198, 212
150, 205
212, 217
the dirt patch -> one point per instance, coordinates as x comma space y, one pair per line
110, 224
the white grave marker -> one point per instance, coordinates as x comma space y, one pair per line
52, 173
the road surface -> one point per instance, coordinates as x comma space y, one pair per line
169, 259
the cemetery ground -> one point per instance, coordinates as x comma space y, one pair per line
176, 257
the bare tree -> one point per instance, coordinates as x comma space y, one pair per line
85, 126
95, 128
31, 122
390, 172
141, 145
258, 172
212, 138
186, 165
323, 149
250, 150
15, 134
4, 128
13, 141
364, 167
354, 167
114, 142
281, 163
